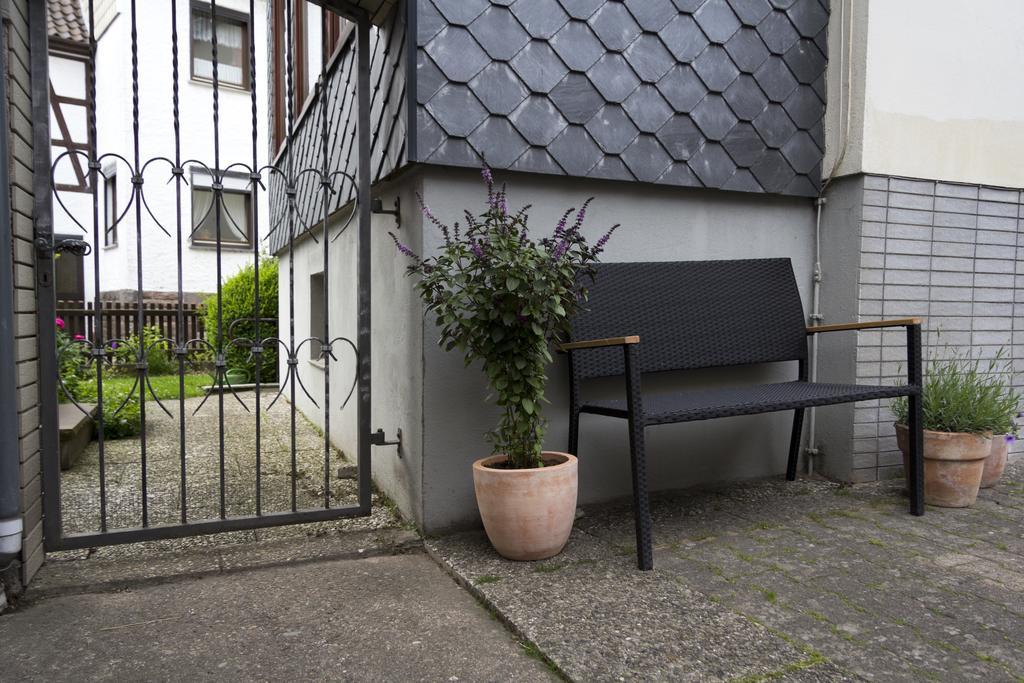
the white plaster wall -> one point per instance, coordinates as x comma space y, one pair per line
156, 139
845, 79
658, 224
935, 90
396, 334
443, 408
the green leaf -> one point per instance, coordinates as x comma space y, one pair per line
528, 406
512, 284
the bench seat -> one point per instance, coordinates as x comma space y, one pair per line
706, 404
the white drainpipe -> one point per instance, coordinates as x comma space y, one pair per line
816, 316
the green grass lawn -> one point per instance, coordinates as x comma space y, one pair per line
164, 386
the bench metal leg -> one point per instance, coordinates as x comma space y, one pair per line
638, 458
915, 458
794, 444
641, 501
915, 478
574, 431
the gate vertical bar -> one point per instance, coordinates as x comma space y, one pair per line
364, 320
180, 338
142, 354
293, 363
42, 209
98, 342
218, 208
257, 312
325, 188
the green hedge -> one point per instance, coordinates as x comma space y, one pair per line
239, 296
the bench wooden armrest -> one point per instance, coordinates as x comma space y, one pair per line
596, 343
866, 325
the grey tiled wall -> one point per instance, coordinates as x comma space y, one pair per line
949, 252
701, 93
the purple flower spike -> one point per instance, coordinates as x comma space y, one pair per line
404, 249
488, 178
560, 250
560, 228
478, 250
599, 245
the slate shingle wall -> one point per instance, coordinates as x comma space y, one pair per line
952, 253
388, 122
703, 93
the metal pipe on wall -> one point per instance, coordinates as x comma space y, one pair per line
10, 458
816, 316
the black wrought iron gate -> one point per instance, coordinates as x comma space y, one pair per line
239, 463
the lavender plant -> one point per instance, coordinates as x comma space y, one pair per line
500, 296
965, 394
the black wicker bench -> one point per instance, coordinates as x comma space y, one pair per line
657, 317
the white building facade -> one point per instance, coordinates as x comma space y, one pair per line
211, 145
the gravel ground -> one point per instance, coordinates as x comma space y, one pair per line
80, 497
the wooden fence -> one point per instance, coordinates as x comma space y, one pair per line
120, 320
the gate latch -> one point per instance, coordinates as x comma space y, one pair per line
378, 438
47, 248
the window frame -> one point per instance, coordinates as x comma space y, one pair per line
223, 13
207, 186
66, 257
316, 316
110, 211
334, 34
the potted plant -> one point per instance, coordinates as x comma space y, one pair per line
1005, 431
963, 404
500, 297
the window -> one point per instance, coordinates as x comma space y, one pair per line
317, 36
234, 208
110, 210
316, 313
232, 45
69, 273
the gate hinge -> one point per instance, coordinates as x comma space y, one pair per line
377, 206
378, 438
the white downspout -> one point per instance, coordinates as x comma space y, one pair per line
816, 317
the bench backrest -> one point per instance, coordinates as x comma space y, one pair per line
692, 314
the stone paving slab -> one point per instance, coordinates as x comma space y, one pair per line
383, 618
800, 581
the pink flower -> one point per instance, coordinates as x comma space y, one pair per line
60, 323
79, 337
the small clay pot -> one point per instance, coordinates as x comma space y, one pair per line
995, 463
953, 465
528, 514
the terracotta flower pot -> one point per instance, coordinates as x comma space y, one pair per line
995, 463
528, 514
953, 464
